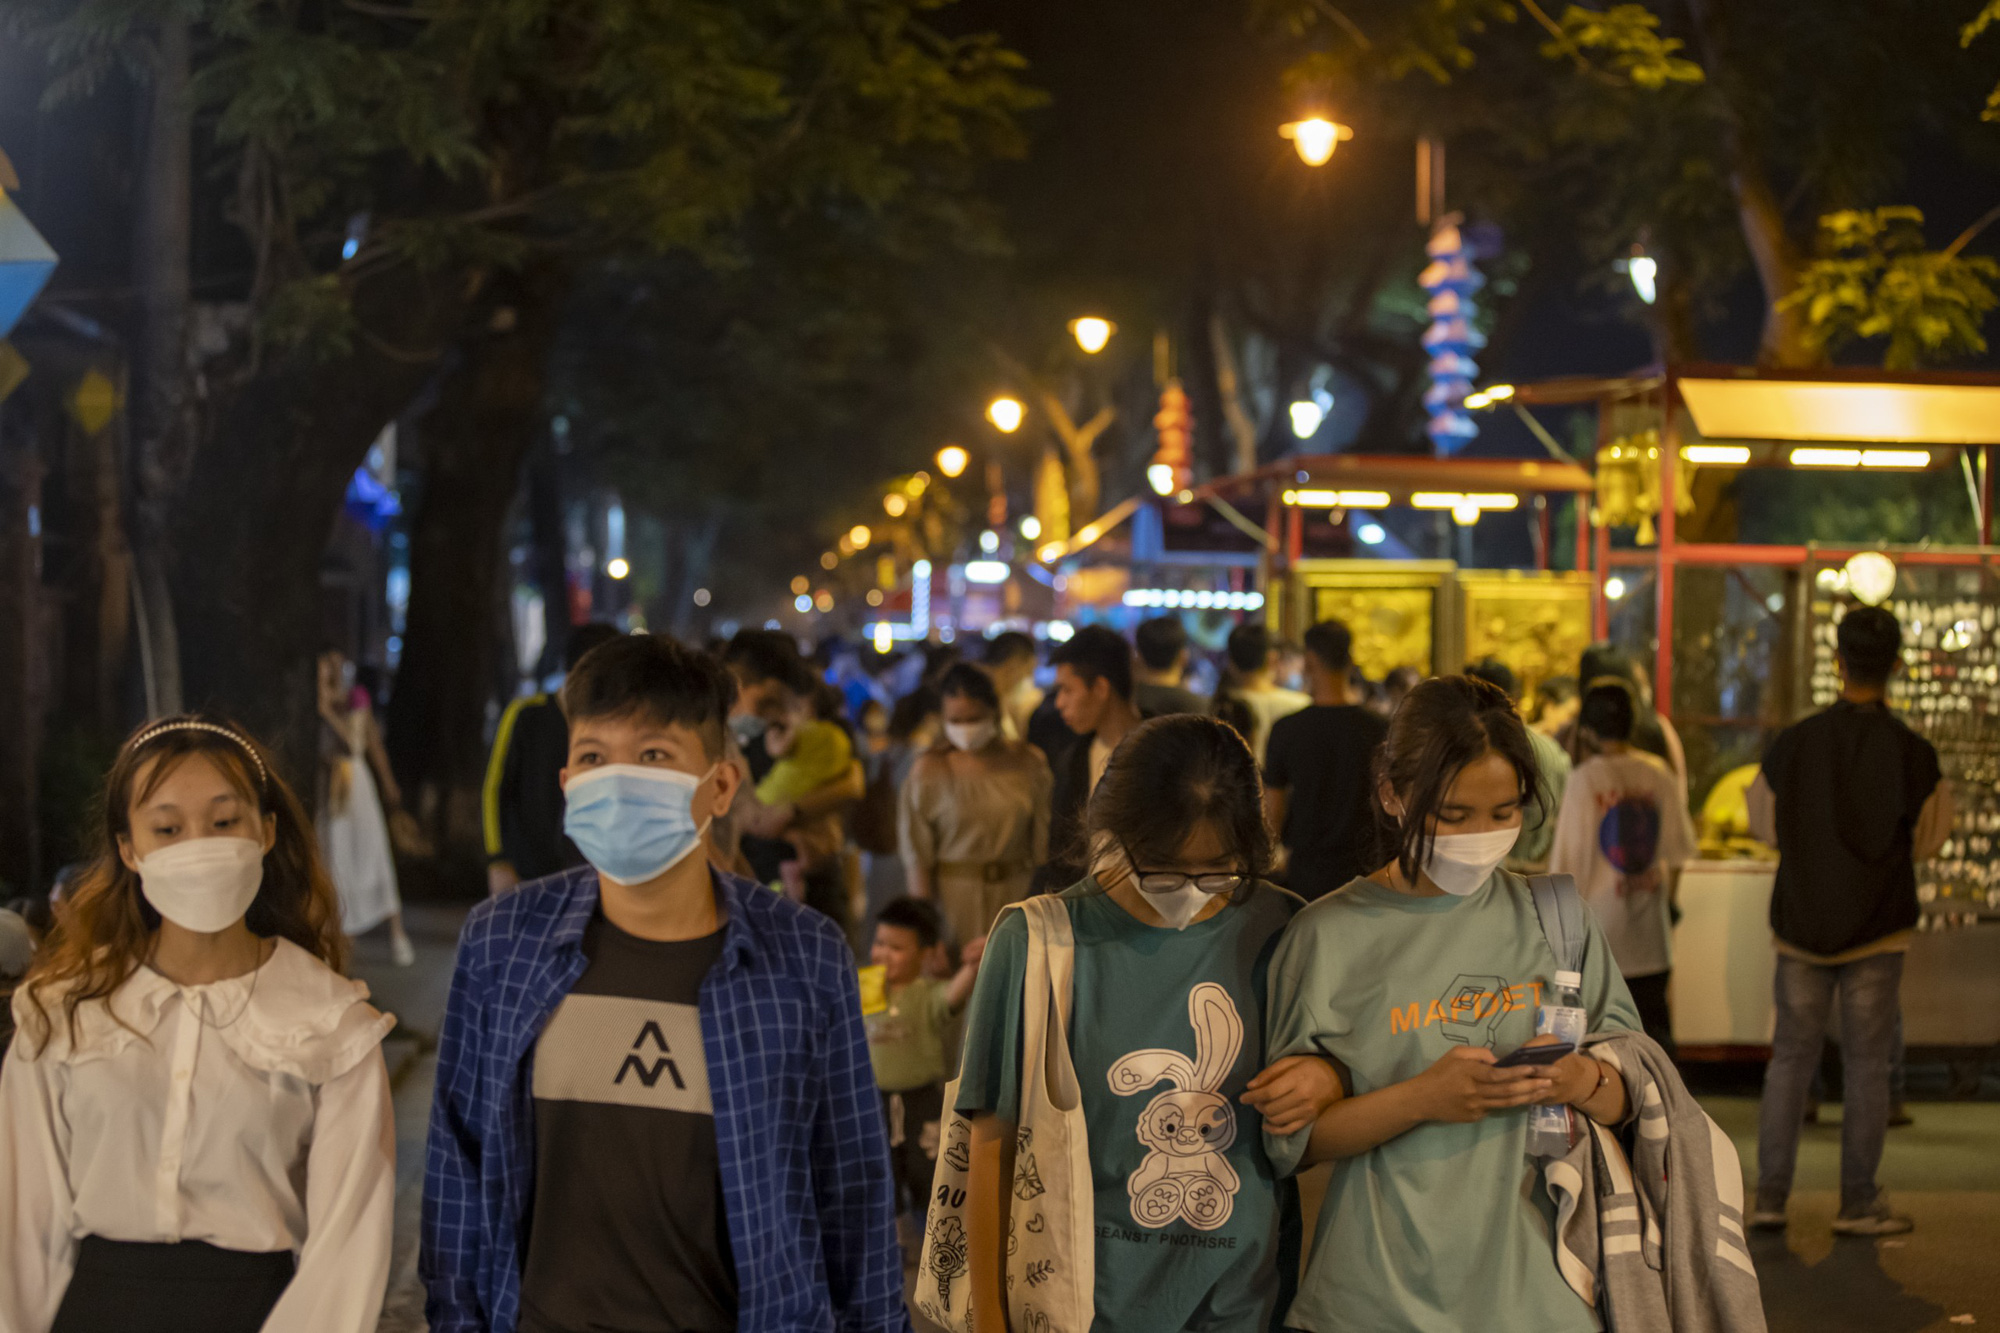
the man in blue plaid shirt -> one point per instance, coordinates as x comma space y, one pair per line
655, 1109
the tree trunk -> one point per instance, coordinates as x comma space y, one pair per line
160, 260
264, 486
475, 441
1762, 217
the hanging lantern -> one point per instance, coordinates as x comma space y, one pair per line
1628, 484
1452, 281
1174, 424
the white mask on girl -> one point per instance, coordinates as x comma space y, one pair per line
203, 884
1460, 862
971, 736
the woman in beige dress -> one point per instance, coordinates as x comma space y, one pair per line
973, 817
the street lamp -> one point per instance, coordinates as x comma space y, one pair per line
1315, 137
1092, 333
895, 504
1006, 414
860, 536
1306, 418
951, 460
1643, 270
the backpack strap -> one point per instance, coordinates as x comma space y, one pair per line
1564, 921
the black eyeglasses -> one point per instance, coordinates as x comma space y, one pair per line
1172, 881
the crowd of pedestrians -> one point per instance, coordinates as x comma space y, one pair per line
1046, 978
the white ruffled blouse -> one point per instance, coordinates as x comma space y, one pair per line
252, 1113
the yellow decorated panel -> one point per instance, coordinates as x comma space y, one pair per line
1538, 624
1393, 608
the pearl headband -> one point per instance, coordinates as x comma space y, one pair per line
154, 733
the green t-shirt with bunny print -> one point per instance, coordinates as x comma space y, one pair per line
1194, 1230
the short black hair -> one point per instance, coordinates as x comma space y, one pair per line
969, 682
651, 676
1250, 647
1332, 643
585, 637
1869, 643
1097, 653
1608, 711
758, 655
1160, 641
1496, 672
913, 914
1605, 659
1005, 647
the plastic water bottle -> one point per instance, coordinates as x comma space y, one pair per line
1562, 1016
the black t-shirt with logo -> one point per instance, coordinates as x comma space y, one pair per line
1323, 755
627, 1230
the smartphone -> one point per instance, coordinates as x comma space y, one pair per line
1535, 1055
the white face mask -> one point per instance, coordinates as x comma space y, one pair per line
1177, 907
1460, 862
203, 884
970, 736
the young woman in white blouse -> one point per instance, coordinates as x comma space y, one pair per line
195, 1125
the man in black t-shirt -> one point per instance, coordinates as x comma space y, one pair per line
1318, 767
1852, 799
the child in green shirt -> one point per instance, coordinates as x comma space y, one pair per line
907, 1026
1416, 980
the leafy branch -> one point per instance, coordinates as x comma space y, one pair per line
1876, 280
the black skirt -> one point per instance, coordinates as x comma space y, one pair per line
123, 1286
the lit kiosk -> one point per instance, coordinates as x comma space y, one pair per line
1739, 635
1432, 615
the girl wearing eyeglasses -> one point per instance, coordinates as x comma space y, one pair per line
1174, 931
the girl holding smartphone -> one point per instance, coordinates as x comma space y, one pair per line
1417, 980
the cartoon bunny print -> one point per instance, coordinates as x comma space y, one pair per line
1189, 1127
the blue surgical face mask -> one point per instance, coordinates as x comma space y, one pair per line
632, 822
746, 727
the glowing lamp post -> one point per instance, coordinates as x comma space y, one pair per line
1006, 414
1092, 333
951, 460
1316, 138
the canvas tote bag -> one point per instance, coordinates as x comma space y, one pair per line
1051, 1237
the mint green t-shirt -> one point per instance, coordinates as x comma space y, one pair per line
1194, 1230
1447, 1227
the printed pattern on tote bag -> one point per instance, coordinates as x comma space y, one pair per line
1051, 1239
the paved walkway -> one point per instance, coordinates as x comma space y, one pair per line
1944, 1171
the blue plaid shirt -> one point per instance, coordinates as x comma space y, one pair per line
798, 1123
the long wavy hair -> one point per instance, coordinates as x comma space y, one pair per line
104, 927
